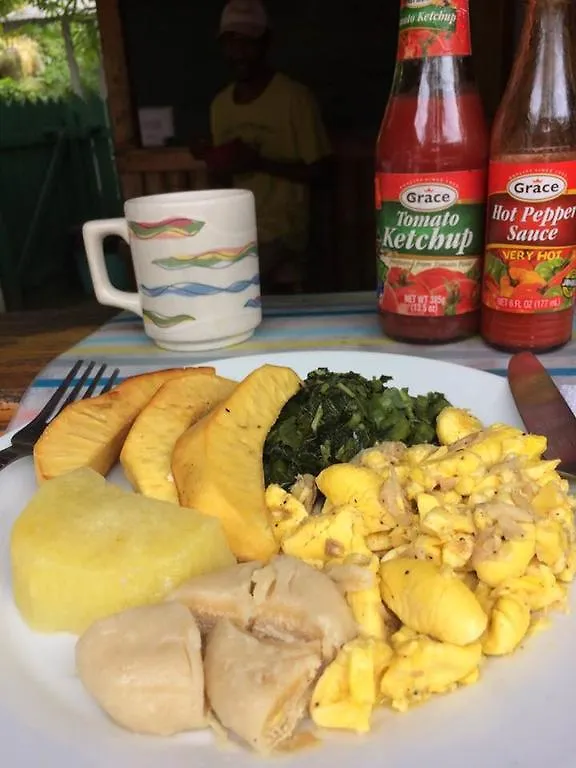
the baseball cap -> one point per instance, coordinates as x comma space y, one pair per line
245, 17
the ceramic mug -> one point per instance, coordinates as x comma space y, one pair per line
195, 258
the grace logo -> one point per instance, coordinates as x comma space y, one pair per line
538, 188
427, 198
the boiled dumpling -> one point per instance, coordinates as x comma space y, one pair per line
144, 668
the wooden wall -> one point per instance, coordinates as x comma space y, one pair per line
161, 52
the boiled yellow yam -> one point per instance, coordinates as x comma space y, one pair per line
84, 549
91, 432
147, 453
217, 464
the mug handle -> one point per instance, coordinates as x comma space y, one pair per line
94, 233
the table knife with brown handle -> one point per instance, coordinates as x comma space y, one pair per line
543, 409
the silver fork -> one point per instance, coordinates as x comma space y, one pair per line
23, 442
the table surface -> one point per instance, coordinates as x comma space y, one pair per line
42, 346
30, 340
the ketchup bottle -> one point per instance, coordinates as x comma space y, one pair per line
529, 274
431, 161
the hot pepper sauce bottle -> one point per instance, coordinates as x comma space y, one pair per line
431, 160
529, 274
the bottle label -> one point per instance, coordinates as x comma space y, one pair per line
430, 239
434, 28
530, 263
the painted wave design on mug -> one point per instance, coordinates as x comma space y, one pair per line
167, 229
198, 289
254, 303
216, 259
166, 321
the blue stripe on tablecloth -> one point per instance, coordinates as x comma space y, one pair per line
339, 322
280, 313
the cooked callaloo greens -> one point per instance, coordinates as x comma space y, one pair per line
337, 415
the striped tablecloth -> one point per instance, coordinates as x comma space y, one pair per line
336, 321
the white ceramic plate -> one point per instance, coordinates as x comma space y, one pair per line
521, 714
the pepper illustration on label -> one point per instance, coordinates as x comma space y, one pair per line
430, 238
434, 28
530, 264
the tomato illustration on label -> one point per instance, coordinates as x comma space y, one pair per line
434, 28
530, 264
429, 241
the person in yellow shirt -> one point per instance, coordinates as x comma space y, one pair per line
267, 136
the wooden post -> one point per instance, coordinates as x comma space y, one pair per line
117, 83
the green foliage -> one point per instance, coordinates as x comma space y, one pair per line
64, 7
54, 8
7, 6
28, 89
54, 81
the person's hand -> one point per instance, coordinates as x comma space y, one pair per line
245, 158
200, 147
235, 157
